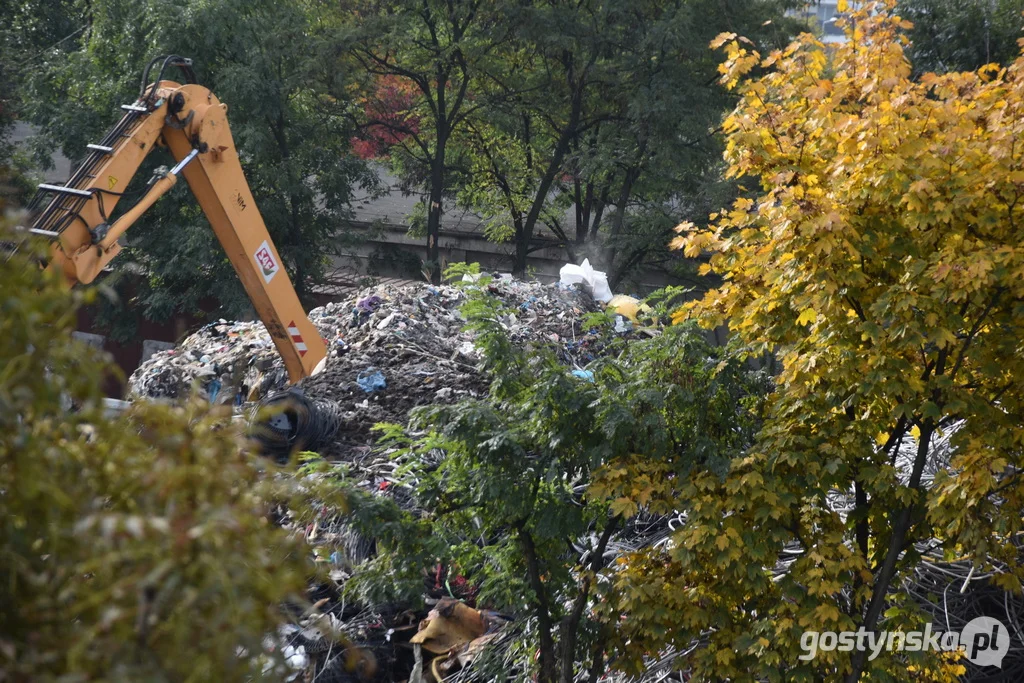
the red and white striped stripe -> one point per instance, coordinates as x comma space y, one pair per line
297, 338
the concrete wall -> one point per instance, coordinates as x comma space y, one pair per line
389, 251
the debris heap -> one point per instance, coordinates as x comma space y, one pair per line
390, 348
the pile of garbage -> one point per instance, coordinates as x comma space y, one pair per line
226, 362
390, 349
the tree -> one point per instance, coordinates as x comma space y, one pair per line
532, 111
30, 29
432, 49
568, 45
510, 501
135, 547
260, 59
567, 141
660, 154
880, 261
957, 35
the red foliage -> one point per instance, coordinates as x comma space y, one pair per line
388, 111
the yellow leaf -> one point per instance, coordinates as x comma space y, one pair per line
721, 40
623, 506
941, 270
807, 316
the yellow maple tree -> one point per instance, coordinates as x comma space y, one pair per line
881, 259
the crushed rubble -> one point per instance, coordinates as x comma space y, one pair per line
390, 349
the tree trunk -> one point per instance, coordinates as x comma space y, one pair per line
620, 205
542, 609
599, 206
570, 625
619, 219
523, 244
597, 656
435, 195
900, 528
584, 205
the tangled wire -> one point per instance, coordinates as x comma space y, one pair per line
954, 593
289, 421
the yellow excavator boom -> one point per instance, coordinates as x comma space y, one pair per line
192, 123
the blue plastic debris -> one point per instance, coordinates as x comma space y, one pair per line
213, 388
526, 304
371, 381
587, 375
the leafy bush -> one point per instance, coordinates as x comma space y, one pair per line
132, 548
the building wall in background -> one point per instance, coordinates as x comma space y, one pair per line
824, 15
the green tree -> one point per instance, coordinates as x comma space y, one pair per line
30, 29
512, 501
595, 117
260, 58
885, 277
658, 160
131, 548
962, 35
429, 52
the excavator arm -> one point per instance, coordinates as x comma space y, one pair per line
192, 123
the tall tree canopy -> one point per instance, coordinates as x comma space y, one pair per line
259, 57
880, 259
566, 116
956, 35
416, 62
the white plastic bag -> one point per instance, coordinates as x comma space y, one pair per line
594, 281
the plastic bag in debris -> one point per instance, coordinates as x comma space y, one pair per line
586, 375
371, 381
594, 281
368, 305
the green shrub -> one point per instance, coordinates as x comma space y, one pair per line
132, 548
